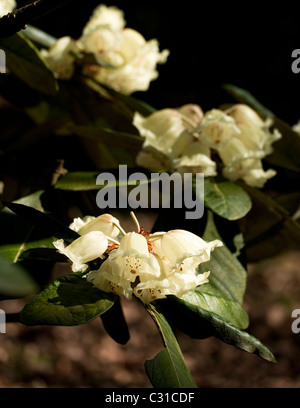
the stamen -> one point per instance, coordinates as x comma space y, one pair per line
135, 221
119, 228
113, 240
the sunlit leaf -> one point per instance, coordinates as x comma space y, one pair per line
68, 301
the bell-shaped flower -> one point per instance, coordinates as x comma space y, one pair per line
130, 262
126, 61
84, 249
134, 61
178, 246
255, 132
163, 264
61, 57
168, 135
196, 158
216, 129
105, 223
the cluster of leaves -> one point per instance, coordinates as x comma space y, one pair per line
90, 128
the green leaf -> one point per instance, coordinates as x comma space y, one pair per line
20, 235
45, 222
226, 199
68, 301
78, 181
168, 369
115, 324
24, 61
223, 294
109, 137
244, 96
214, 325
15, 282
269, 228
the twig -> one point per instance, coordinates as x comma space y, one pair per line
17, 20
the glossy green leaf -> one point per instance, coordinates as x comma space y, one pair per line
24, 61
15, 282
213, 325
226, 199
68, 301
168, 368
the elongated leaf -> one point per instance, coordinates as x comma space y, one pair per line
15, 282
68, 301
24, 61
20, 235
168, 369
109, 136
45, 222
226, 199
213, 325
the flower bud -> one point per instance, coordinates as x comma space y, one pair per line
84, 249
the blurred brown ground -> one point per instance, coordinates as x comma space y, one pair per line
85, 356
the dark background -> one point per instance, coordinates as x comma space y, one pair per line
245, 44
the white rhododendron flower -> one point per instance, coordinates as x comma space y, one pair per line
84, 249
147, 266
105, 223
102, 15
177, 140
61, 57
127, 62
254, 132
152, 267
7, 6
170, 142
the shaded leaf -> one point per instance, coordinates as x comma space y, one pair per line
21, 235
210, 324
44, 222
25, 62
115, 324
68, 301
15, 282
168, 369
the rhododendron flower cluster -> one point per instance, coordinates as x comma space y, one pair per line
123, 59
186, 139
147, 266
